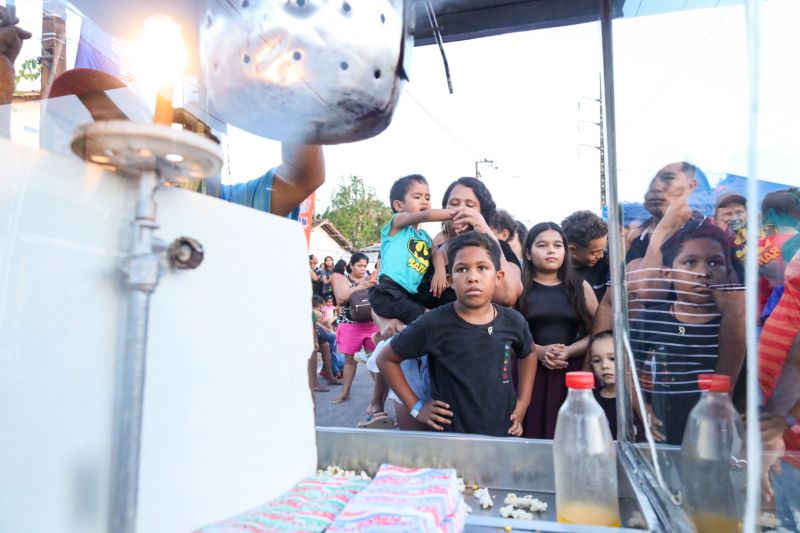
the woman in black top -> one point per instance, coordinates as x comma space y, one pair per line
559, 308
316, 280
326, 275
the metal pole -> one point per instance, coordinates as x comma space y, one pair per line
142, 268
603, 192
615, 250
753, 438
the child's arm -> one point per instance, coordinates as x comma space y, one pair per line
577, 348
302, 172
402, 220
527, 374
604, 316
433, 413
732, 336
439, 281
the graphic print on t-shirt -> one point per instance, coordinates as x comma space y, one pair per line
506, 361
420, 255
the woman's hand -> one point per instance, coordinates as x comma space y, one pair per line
438, 283
467, 218
553, 356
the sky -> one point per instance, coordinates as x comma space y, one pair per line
681, 94
525, 102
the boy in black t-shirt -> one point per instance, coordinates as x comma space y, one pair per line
469, 343
587, 239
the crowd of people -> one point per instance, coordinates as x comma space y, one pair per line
473, 330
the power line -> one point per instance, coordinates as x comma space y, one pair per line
671, 77
442, 126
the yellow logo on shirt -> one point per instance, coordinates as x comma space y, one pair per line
420, 255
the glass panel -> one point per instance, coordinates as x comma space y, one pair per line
682, 110
778, 280
681, 125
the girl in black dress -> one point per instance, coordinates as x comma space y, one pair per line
559, 308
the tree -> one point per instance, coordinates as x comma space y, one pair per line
357, 212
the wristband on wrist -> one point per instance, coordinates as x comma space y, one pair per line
790, 420
415, 410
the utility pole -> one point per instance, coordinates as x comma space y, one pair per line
602, 145
54, 43
483, 161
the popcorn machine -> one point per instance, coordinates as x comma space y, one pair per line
129, 403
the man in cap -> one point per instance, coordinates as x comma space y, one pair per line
105, 97
730, 212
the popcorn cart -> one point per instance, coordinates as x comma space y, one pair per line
147, 364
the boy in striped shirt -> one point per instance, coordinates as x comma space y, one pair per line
677, 339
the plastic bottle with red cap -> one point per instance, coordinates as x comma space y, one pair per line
712, 439
585, 460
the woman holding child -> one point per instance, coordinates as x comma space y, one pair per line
351, 336
559, 308
473, 209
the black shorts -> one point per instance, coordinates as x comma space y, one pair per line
390, 300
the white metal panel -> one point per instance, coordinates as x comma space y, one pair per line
228, 417
62, 226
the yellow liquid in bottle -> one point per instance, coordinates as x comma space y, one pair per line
587, 513
715, 523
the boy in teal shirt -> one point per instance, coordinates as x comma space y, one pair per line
406, 250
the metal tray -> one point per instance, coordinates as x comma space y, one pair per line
503, 465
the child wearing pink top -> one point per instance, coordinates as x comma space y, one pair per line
329, 311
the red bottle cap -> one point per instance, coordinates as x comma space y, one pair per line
720, 383
580, 380
704, 381
714, 382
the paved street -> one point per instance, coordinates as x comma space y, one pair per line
349, 413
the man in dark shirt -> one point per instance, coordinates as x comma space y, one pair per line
587, 239
469, 344
505, 229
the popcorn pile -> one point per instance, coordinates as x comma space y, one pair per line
515, 507
484, 498
337, 471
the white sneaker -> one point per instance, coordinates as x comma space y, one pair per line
372, 362
361, 356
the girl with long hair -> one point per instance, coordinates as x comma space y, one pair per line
559, 308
